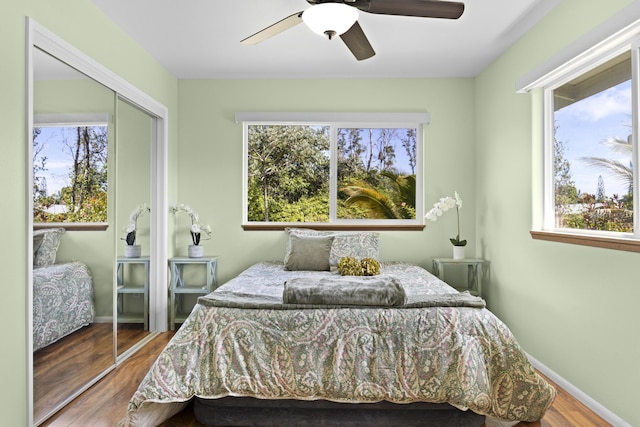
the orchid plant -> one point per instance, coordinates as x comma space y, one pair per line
196, 228
443, 205
130, 231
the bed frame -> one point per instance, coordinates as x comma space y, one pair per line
248, 411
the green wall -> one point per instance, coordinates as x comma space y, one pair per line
83, 25
571, 307
210, 157
574, 318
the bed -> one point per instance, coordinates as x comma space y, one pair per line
62, 293
439, 347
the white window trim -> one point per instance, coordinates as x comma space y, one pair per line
611, 38
602, 40
72, 120
548, 203
338, 120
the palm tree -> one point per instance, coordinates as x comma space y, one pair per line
615, 167
399, 205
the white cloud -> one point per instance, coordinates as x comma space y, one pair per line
612, 101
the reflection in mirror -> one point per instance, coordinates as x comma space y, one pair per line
133, 163
73, 269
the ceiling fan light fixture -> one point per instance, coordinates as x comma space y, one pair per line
330, 19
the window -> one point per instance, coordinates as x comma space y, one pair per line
333, 173
589, 188
593, 149
70, 169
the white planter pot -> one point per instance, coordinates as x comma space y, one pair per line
458, 252
132, 251
196, 251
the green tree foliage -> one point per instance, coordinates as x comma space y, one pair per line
371, 188
610, 215
289, 169
566, 192
288, 165
601, 194
85, 197
589, 211
410, 146
395, 200
615, 167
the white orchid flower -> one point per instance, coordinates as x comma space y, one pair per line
196, 229
458, 200
443, 205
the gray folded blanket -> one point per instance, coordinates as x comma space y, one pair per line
345, 290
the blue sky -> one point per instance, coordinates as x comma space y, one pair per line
585, 124
59, 161
401, 161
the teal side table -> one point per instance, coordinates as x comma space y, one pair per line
178, 287
123, 288
474, 271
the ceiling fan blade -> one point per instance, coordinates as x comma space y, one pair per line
357, 42
420, 8
272, 30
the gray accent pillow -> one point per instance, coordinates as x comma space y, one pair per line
308, 253
47, 241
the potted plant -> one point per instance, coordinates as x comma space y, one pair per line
131, 250
440, 207
196, 230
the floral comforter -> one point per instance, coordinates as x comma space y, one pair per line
62, 301
452, 353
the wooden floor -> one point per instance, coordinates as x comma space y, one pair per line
63, 368
106, 402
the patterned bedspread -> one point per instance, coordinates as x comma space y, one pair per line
62, 301
461, 355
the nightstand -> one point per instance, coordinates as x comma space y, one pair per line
474, 271
179, 288
125, 287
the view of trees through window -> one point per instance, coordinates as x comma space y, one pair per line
289, 173
70, 174
592, 152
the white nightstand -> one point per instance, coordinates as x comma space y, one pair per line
474, 271
124, 288
179, 287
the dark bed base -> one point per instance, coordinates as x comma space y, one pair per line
247, 411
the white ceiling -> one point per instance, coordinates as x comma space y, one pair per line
200, 39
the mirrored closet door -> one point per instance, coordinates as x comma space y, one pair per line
133, 164
97, 155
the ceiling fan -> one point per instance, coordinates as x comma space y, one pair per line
340, 18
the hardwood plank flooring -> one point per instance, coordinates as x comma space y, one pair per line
106, 402
64, 367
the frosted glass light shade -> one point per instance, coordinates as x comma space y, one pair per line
330, 18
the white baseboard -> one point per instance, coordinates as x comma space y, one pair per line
574, 391
102, 319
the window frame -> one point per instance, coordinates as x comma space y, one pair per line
75, 120
336, 121
577, 60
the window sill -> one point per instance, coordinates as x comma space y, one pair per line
72, 226
620, 244
343, 227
